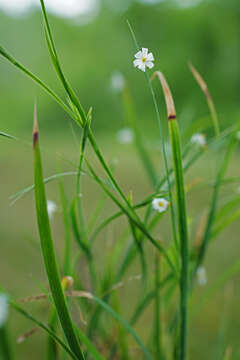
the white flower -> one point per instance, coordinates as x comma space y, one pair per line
143, 60
3, 309
117, 81
51, 208
160, 204
125, 136
238, 135
201, 276
198, 139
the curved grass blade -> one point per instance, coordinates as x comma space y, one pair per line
115, 315
89, 345
67, 233
45, 328
148, 298
7, 135
48, 251
14, 62
134, 220
210, 222
208, 96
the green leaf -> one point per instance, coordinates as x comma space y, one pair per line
48, 250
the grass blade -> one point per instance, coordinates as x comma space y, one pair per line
182, 213
209, 99
45, 328
48, 249
5, 349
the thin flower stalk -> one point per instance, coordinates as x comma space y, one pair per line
162, 143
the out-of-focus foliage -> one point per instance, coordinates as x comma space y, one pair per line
207, 34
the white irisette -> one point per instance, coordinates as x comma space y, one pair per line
238, 135
51, 208
202, 276
3, 309
198, 139
117, 81
125, 136
143, 60
160, 204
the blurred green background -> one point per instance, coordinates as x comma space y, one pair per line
206, 33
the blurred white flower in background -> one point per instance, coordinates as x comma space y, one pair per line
160, 204
63, 8
125, 136
150, 2
15, 7
51, 208
187, 3
238, 135
202, 276
3, 309
118, 6
143, 60
198, 139
117, 81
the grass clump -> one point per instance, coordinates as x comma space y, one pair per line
168, 269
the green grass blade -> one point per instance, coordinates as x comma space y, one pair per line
157, 336
7, 135
131, 217
67, 228
210, 222
50, 92
88, 344
182, 214
45, 328
126, 325
5, 348
48, 251
148, 298
77, 234
56, 63
208, 96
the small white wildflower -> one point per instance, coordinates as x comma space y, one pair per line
143, 60
202, 276
3, 309
198, 139
125, 136
238, 135
160, 204
117, 81
51, 208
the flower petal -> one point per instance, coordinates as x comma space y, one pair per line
138, 55
144, 52
150, 57
142, 67
137, 62
150, 64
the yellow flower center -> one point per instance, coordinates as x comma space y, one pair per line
144, 59
160, 203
